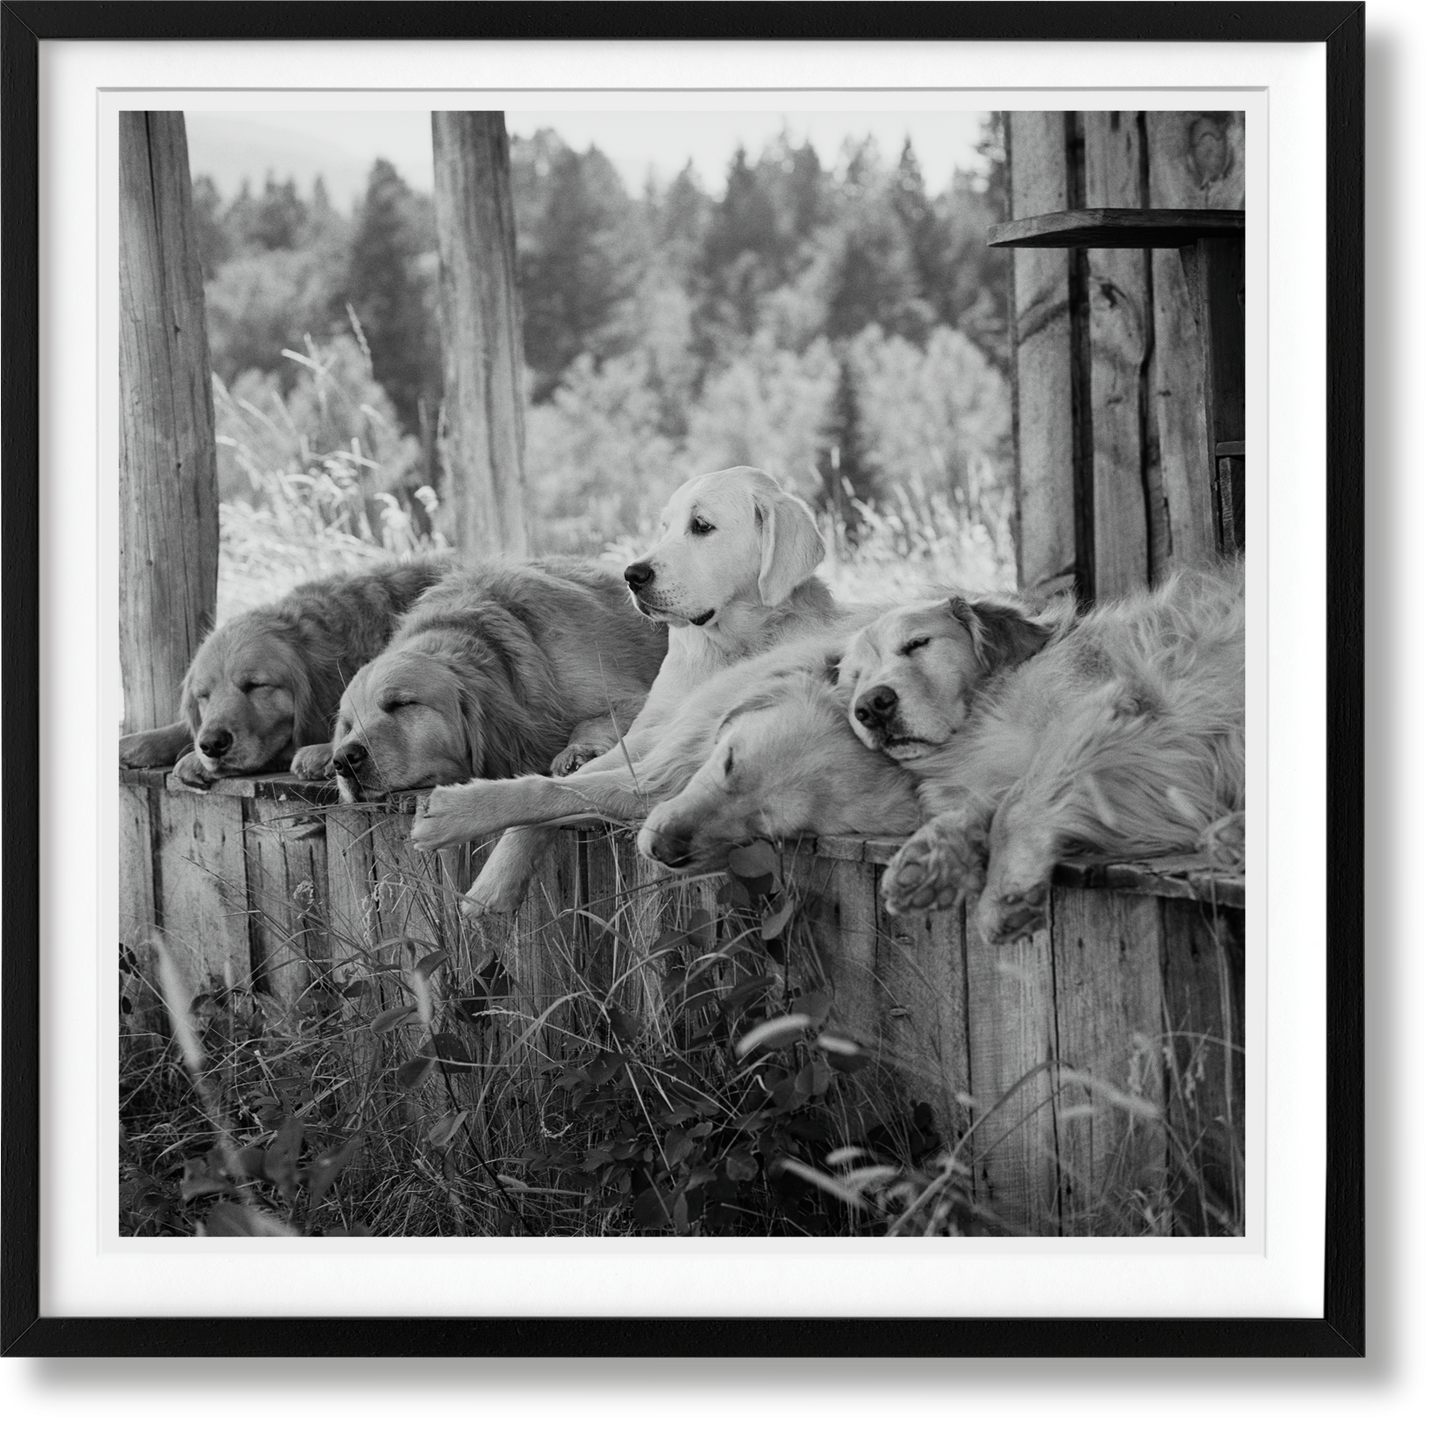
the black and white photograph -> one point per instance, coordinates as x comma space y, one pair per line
683, 673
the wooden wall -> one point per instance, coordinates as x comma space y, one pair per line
1114, 472
1057, 1068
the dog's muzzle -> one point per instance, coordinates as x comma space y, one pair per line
671, 848
638, 575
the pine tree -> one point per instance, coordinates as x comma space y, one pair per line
388, 286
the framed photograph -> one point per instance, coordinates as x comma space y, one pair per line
673, 595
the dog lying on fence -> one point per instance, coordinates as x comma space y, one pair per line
783, 762
262, 690
731, 577
1034, 735
501, 669
780, 706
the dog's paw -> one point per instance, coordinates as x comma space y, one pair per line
148, 749
941, 865
445, 818
575, 755
313, 762
193, 772
500, 888
1005, 917
1223, 842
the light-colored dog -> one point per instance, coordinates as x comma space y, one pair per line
783, 762
791, 683
1036, 735
502, 668
731, 576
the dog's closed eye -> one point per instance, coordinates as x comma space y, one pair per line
913, 646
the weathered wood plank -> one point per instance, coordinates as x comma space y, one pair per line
169, 517
1128, 509
922, 983
1204, 1063
1196, 159
1011, 1054
137, 866
288, 903
1177, 394
1109, 994
202, 902
1043, 383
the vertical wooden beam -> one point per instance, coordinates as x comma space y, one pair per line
1120, 342
1196, 161
169, 514
1043, 357
482, 333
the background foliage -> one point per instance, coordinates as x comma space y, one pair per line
843, 329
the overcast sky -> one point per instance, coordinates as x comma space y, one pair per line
340, 147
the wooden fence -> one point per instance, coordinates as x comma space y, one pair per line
1089, 1080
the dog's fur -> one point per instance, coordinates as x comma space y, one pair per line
665, 768
1038, 735
783, 762
501, 669
267, 683
731, 577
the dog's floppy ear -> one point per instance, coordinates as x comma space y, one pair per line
495, 729
1003, 636
792, 545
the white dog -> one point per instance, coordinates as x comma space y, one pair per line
1036, 735
731, 576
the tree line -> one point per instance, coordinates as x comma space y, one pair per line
842, 326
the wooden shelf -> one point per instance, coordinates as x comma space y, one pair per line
1117, 229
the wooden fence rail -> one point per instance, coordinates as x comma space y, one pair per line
1077, 1075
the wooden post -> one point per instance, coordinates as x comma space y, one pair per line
485, 499
169, 515
1043, 359
1129, 514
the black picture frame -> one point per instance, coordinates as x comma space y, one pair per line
1341, 1329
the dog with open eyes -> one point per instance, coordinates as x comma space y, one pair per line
730, 578
1036, 734
501, 669
261, 691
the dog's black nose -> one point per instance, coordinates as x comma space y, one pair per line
638, 575
672, 848
215, 744
348, 759
876, 706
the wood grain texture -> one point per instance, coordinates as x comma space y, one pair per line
1108, 225
482, 334
288, 901
1128, 514
1043, 396
169, 514
1196, 159
1204, 1062
137, 866
1011, 1041
1109, 994
202, 902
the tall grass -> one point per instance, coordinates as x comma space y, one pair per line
637, 1055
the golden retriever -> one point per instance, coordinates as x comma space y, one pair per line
663, 769
731, 576
262, 690
501, 669
783, 762
1036, 735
